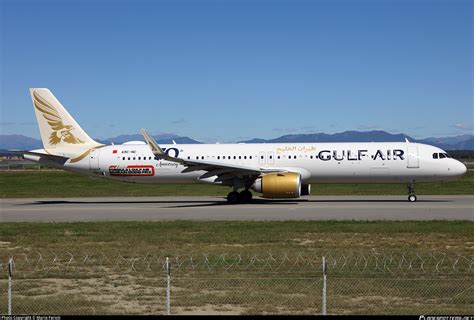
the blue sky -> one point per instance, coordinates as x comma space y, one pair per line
221, 71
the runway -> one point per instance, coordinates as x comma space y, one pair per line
216, 208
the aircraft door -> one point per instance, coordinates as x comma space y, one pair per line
261, 158
94, 159
413, 161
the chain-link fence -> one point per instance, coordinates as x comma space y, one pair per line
356, 283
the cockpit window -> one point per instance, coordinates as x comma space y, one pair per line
435, 156
447, 155
442, 155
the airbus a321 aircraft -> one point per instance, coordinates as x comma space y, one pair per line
277, 170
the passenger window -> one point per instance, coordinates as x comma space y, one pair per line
218, 157
435, 156
261, 157
139, 158
123, 158
128, 158
240, 157
441, 156
235, 157
189, 157
311, 157
271, 157
278, 157
250, 157
202, 157
245, 157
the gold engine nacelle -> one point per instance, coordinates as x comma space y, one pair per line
279, 185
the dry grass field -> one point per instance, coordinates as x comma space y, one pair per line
239, 267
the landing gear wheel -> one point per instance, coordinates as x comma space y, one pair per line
233, 197
245, 196
411, 192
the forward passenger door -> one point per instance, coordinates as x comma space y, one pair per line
413, 161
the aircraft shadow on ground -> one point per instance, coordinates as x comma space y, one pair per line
179, 203
223, 202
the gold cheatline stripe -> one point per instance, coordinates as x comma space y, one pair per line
82, 156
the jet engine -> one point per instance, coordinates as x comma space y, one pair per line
305, 189
279, 185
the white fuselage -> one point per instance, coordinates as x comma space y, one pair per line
387, 162
276, 170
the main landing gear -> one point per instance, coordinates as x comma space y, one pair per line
411, 192
235, 197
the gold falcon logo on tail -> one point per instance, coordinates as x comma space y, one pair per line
61, 131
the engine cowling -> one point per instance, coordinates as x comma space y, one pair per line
279, 185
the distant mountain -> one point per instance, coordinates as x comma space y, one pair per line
464, 145
448, 140
19, 142
346, 136
463, 142
256, 140
163, 138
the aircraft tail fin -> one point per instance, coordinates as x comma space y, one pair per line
60, 133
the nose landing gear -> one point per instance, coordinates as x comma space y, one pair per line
411, 192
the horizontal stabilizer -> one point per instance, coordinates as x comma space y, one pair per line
36, 156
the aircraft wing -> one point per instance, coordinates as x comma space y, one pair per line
222, 171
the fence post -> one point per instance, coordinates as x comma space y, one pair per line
168, 287
324, 286
10, 284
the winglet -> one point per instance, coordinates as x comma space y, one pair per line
155, 148
406, 140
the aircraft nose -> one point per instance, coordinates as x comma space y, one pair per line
458, 168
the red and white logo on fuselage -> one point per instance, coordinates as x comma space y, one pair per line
132, 171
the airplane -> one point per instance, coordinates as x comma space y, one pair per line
276, 170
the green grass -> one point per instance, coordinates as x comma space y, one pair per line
39, 184
185, 237
469, 165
